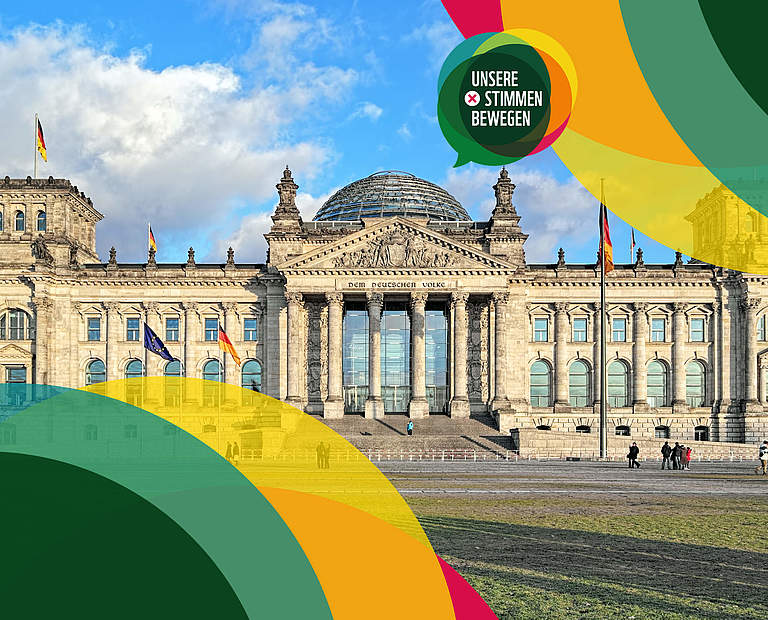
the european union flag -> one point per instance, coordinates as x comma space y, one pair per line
153, 344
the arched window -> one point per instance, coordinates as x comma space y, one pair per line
251, 376
19, 221
695, 384
41, 221
90, 432
657, 384
578, 384
134, 369
15, 325
95, 372
541, 384
212, 370
623, 431
618, 384
701, 433
172, 369
583, 428
661, 432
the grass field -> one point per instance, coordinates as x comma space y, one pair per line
625, 554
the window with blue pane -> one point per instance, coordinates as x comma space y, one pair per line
658, 330
211, 372
211, 330
355, 356
251, 329
41, 221
95, 372
132, 329
697, 330
618, 384
172, 329
134, 369
94, 329
540, 330
619, 332
395, 357
19, 221
436, 342
541, 384
580, 330
695, 384
173, 387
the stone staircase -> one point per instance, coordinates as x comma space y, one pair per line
437, 432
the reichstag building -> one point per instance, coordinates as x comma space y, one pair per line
393, 301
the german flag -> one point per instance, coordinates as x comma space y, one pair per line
152, 244
226, 346
41, 141
605, 238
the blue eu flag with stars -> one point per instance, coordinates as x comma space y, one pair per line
153, 344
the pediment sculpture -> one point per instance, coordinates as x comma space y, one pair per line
397, 248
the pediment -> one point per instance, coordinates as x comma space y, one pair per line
14, 353
396, 244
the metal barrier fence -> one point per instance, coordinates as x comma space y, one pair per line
347, 455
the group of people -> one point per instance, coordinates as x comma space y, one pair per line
677, 457
233, 453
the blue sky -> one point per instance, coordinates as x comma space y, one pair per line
184, 113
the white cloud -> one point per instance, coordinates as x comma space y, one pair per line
404, 132
181, 146
367, 110
553, 213
439, 37
248, 240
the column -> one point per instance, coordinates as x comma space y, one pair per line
597, 357
639, 375
750, 307
295, 306
459, 406
190, 310
374, 406
500, 303
561, 356
113, 337
43, 337
418, 407
230, 328
334, 401
678, 356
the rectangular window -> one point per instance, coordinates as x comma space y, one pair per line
658, 330
172, 329
132, 329
697, 330
761, 328
211, 330
579, 330
250, 329
94, 329
540, 330
619, 332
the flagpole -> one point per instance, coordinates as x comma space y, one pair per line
603, 382
35, 167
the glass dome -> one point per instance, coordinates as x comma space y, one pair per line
388, 194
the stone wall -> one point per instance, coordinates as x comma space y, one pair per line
549, 444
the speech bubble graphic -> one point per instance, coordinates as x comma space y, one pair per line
500, 97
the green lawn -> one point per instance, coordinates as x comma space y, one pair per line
611, 556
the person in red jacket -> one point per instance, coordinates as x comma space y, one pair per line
688, 453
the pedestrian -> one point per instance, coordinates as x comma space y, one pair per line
235, 453
688, 455
228, 454
676, 453
666, 451
320, 455
763, 456
634, 452
409, 428
327, 456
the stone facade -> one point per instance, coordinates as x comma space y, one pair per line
521, 341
